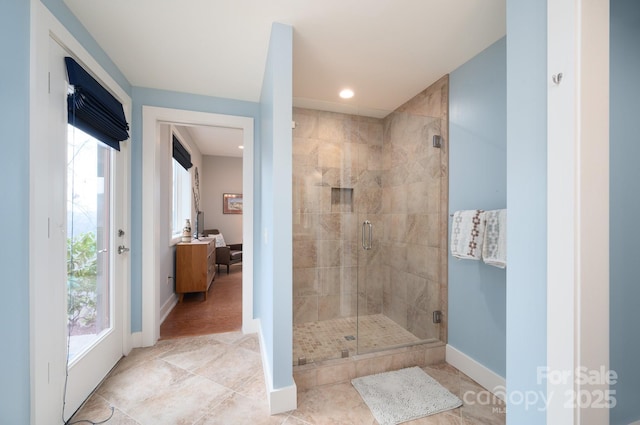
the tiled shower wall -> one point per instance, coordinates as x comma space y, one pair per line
385, 171
337, 179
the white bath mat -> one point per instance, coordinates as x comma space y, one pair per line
403, 395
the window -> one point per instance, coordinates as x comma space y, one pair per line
181, 200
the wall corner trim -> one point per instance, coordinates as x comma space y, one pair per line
281, 399
251, 327
167, 307
476, 371
136, 339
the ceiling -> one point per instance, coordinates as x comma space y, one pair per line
386, 51
217, 141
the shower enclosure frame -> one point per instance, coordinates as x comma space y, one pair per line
349, 220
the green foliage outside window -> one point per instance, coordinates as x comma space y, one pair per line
82, 269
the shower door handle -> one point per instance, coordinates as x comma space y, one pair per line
367, 244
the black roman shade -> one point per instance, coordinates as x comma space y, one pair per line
180, 154
94, 110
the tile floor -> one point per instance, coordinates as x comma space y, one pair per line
322, 340
218, 379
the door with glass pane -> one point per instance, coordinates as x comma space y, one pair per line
95, 245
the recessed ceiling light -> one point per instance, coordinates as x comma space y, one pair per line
346, 94
241, 147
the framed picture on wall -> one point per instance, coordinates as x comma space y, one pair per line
232, 203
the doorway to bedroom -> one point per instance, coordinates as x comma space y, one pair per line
215, 179
160, 125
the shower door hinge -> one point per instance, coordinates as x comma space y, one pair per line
437, 316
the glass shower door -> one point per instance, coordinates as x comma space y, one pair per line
399, 261
372, 270
325, 231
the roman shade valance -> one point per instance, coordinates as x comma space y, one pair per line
180, 154
94, 110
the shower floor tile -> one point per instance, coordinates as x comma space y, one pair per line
316, 341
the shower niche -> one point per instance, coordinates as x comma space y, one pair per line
341, 199
369, 230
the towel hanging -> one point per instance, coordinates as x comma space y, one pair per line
494, 249
467, 234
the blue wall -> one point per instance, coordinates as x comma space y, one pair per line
14, 214
274, 299
625, 202
73, 25
478, 179
167, 99
527, 204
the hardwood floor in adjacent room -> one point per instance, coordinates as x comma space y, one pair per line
221, 312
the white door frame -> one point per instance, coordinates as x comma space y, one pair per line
48, 322
152, 117
578, 209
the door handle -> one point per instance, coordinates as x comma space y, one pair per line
122, 249
367, 244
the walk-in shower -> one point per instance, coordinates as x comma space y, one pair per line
369, 236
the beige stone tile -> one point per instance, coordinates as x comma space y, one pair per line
238, 409
305, 224
254, 387
292, 420
448, 378
397, 311
330, 155
334, 374
249, 342
480, 406
433, 229
406, 359
330, 279
157, 392
328, 252
417, 259
331, 225
369, 199
333, 404
435, 355
306, 123
417, 291
305, 253
333, 127
141, 355
195, 353
306, 281
372, 366
435, 196
97, 409
443, 418
445, 367
233, 368
305, 379
311, 197
418, 197
329, 307
305, 309
419, 323
303, 148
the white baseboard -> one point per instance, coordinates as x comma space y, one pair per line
283, 399
476, 371
167, 307
280, 400
251, 327
136, 339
